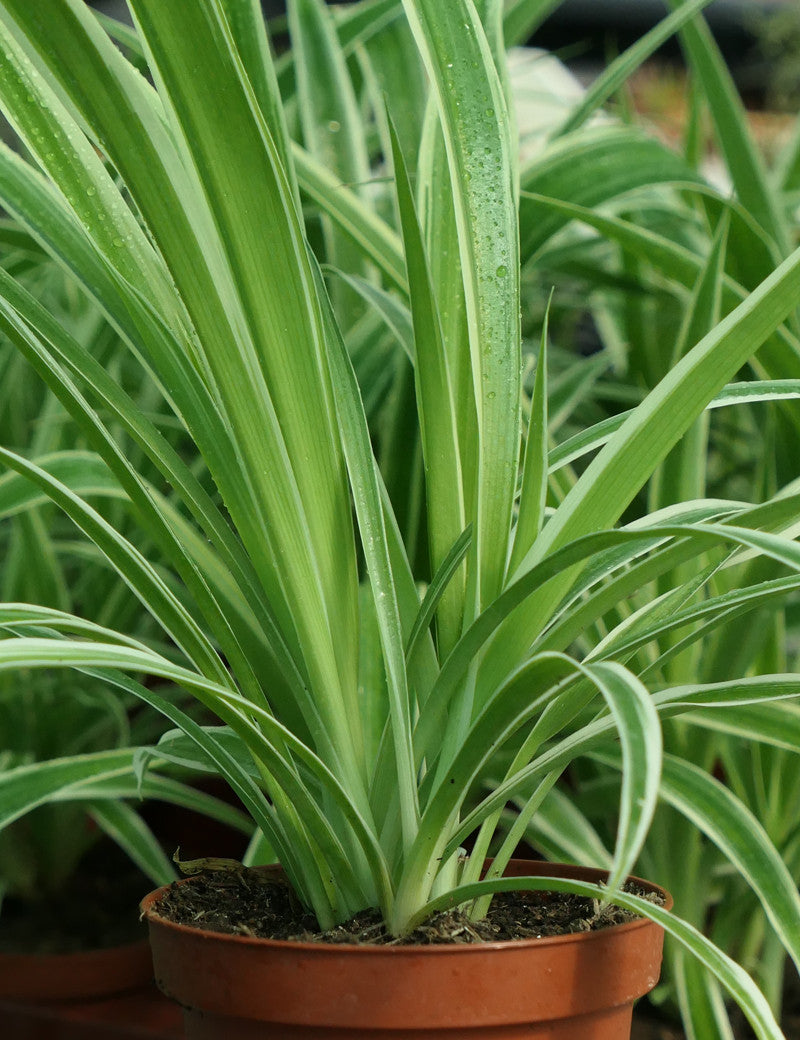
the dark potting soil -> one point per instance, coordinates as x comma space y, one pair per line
98, 909
247, 902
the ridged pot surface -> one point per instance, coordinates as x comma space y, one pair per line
572, 987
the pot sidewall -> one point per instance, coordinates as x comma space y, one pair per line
410, 987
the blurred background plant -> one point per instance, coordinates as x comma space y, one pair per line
68, 844
779, 41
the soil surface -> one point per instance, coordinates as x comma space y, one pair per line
98, 909
247, 902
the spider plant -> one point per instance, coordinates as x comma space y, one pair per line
45, 718
357, 713
640, 240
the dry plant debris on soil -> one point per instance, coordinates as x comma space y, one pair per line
245, 902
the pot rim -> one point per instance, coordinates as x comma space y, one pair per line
56, 959
149, 903
96, 973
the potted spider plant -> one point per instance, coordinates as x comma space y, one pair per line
71, 947
359, 716
74, 857
72, 863
73, 955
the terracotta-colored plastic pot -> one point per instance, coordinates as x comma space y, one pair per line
573, 987
92, 995
73, 976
